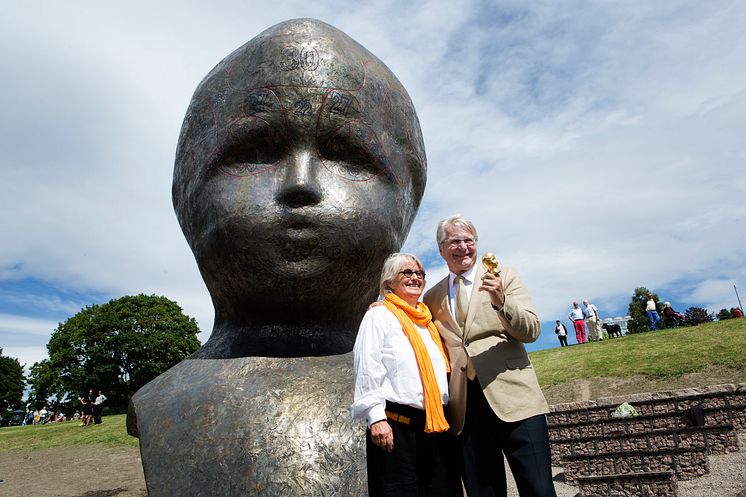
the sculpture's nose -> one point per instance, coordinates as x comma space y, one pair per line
300, 186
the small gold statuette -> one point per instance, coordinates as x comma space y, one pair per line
490, 263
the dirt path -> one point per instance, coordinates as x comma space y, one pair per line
89, 471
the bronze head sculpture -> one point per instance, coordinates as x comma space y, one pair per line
300, 167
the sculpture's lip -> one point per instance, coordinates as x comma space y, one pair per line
300, 222
299, 237
299, 234
296, 245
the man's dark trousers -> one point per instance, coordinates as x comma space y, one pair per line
485, 438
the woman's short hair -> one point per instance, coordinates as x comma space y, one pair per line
457, 221
391, 267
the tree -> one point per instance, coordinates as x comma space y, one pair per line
696, 315
12, 383
636, 310
117, 347
724, 314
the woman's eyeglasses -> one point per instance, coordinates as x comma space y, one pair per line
408, 273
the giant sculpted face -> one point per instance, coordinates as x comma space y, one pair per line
300, 167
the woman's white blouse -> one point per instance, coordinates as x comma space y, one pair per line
386, 368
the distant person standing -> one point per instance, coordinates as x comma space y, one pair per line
561, 333
576, 316
87, 401
592, 322
98, 407
651, 308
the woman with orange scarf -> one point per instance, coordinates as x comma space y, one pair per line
401, 387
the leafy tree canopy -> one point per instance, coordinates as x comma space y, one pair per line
636, 309
696, 315
12, 383
117, 347
724, 314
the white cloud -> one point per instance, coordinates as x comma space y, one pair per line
27, 356
23, 338
21, 324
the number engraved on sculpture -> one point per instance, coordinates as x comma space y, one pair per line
302, 108
289, 59
309, 59
258, 100
303, 58
340, 103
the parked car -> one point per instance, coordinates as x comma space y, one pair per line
13, 418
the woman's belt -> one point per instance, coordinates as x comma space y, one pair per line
408, 416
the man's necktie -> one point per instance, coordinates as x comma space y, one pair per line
462, 306
462, 302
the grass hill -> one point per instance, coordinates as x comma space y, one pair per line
696, 356
112, 433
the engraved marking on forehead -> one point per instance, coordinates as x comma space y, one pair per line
299, 57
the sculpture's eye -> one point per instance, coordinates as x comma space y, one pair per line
252, 146
354, 152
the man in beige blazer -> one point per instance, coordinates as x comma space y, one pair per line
495, 403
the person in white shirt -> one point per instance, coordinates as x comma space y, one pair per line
651, 308
561, 333
401, 386
98, 408
576, 316
592, 322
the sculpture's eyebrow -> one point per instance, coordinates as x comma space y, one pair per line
354, 151
249, 145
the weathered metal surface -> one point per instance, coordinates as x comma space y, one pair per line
300, 167
252, 426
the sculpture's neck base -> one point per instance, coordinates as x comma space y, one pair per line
230, 341
251, 426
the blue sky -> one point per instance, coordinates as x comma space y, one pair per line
598, 146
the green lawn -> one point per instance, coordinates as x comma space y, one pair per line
112, 432
661, 354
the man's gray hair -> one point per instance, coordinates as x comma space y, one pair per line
391, 267
456, 221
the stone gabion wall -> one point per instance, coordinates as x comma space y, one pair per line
685, 464
713, 439
650, 485
645, 455
729, 399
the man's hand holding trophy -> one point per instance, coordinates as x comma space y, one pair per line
491, 281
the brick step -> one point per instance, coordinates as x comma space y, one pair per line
653, 484
715, 439
637, 424
686, 464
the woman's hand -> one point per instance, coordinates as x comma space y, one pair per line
382, 436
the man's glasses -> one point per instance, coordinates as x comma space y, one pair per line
455, 242
408, 273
